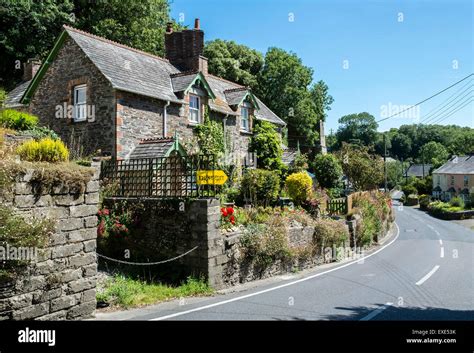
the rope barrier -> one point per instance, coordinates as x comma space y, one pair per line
147, 263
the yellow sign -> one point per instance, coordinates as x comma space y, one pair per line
211, 177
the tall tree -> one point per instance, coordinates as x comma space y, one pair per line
433, 153
357, 128
28, 30
401, 146
283, 85
322, 99
364, 170
234, 62
139, 24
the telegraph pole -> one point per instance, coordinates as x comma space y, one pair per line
385, 161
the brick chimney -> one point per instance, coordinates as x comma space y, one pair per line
184, 48
30, 68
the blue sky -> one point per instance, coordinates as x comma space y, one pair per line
375, 56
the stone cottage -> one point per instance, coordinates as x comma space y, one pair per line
106, 96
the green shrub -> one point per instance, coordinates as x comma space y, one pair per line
260, 187
457, 202
39, 132
299, 186
16, 120
44, 150
266, 143
424, 201
409, 189
328, 232
412, 200
328, 170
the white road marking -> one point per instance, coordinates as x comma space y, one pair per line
430, 226
273, 288
440, 242
428, 275
377, 311
442, 252
437, 233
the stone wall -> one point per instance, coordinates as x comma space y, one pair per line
55, 92
168, 229
61, 283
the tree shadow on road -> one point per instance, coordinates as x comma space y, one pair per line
392, 313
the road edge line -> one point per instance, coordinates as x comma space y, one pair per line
276, 287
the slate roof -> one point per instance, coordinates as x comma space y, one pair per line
236, 95
182, 81
138, 72
457, 165
126, 68
289, 155
416, 170
152, 148
14, 96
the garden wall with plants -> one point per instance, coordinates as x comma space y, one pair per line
48, 222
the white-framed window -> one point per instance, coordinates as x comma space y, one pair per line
244, 119
452, 179
194, 109
80, 103
466, 180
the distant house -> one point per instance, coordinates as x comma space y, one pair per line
109, 97
418, 170
454, 178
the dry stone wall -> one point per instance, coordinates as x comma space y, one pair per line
61, 283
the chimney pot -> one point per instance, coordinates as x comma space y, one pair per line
196, 23
30, 68
169, 27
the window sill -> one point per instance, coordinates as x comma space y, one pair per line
245, 132
192, 124
79, 121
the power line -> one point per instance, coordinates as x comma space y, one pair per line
456, 110
443, 111
447, 101
424, 100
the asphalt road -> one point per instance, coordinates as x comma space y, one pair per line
424, 271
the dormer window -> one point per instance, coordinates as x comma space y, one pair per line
244, 119
194, 109
80, 101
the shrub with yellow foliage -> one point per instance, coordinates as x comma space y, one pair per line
44, 150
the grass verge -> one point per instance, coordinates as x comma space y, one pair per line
126, 292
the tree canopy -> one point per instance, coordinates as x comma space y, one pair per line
29, 28
357, 128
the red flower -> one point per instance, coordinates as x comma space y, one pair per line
232, 219
106, 212
224, 212
230, 210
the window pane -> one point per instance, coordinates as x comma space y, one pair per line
80, 95
194, 102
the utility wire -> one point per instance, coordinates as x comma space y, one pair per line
427, 99
456, 110
446, 102
437, 114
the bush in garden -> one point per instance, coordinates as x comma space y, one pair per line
424, 201
260, 187
266, 143
300, 163
412, 200
44, 150
328, 170
299, 186
409, 189
456, 202
16, 120
328, 232
39, 132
